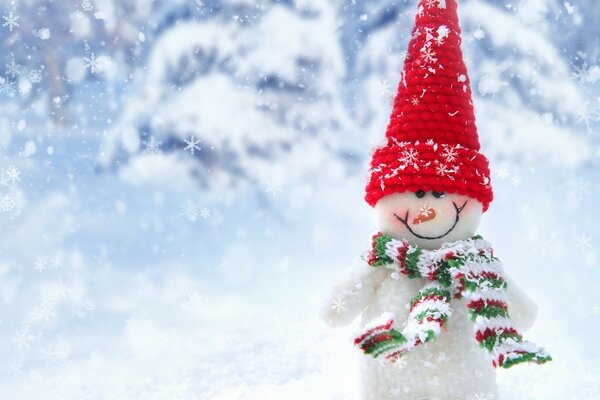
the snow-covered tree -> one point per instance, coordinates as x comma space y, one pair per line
235, 101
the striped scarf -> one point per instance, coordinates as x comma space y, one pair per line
465, 268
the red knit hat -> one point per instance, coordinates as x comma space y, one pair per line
432, 141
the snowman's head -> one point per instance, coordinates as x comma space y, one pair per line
428, 219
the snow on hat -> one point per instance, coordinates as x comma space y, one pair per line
431, 140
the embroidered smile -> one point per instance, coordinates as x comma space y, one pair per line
456, 219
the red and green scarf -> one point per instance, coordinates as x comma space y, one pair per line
465, 268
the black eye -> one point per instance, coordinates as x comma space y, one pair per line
438, 195
420, 193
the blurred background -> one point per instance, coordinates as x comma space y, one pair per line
181, 182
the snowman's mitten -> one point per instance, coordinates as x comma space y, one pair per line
379, 338
523, 310
350, 296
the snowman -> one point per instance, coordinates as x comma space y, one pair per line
438, 312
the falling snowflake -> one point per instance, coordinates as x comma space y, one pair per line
23, 338
588, 115
35, 76
450, 153
485, 181
7, 203
44, 313
428, 55
580, 188
205, 213
503, 172
425, 211
13, 68
189, 210
442, 169
50, 355
78, 15
399, 362
56, 263
11, 175
442, 34
338, 305
384, 86
11, 21
581, 73
273, 188
87, 5
40, 265
516, 181
61, 289
428, 33
409, 156
596, 310
24, 87
92, 63
192, 145
152, 146
8, 87
584, 242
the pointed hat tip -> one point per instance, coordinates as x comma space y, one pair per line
432, 135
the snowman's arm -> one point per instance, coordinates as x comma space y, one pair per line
522, 309
351, 294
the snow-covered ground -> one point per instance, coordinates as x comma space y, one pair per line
174, 213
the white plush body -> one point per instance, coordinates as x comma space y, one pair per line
451, 368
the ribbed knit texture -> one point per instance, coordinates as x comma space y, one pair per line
432, 141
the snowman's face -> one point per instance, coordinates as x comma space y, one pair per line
428, 219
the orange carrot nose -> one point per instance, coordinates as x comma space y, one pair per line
425, 214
